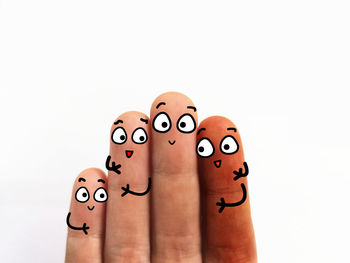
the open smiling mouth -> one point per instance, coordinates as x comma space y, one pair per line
217, 163
92, 208
172, 142
128, 153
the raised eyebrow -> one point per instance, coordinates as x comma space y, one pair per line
144, 120
81, 179
201, 129
101, 180
192, 107
118, 121
160, 104
232, 129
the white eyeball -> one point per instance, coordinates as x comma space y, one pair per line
119, 135
82, 195
162, 122
186, 123
100, 195
139, 136
205, 148
229, 145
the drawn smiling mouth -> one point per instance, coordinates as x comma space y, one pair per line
217, 163
128, 153
172, 142
92, 208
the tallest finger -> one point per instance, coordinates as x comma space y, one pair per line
175, 193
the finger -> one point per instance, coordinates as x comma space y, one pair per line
175, 193
228, 229
86, 217
127, 234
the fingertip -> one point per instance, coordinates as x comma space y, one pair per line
217, 122
92, 172
128, 116
86, 217
90, 177
217, 168
176, 98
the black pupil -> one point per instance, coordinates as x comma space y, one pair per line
84, 194
164, 124
201, 149
122, 137
102, 195
226, 146
142, 138
183, 124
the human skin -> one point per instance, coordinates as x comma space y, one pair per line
175, 193
127, 231
87, 246
228, 230
164, 224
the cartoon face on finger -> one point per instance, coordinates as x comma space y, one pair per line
91, 196
219, 143
128, 140
88, 202
173, 116
219, 150
221, 160
138, 135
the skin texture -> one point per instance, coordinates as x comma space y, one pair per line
228, 236
127, 225
92, 242
175, 193
198, 208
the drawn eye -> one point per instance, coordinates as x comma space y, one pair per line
119, 135
139, 136
100, 195
82, 195
205, 148
229, 145
162, 123
186, 123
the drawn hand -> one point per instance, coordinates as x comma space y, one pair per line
171, 168
113, 167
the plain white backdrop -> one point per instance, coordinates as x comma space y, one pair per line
279, 69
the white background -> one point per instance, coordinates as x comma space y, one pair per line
279, 69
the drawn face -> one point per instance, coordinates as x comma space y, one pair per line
129, 134
173, 117
174, 121
90, 194
88, 202
219, 148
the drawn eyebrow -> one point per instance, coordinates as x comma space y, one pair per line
201, 129
81, 179
159, 104
144, 120
118, 121
102, 181
192, 107
232, 129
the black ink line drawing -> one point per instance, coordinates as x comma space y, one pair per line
84, 227
223, 204
114, 167
128, 191
240, 173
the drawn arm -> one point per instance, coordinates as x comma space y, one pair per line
128, 191
114, 167
240, 173
84, 228
223, 204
